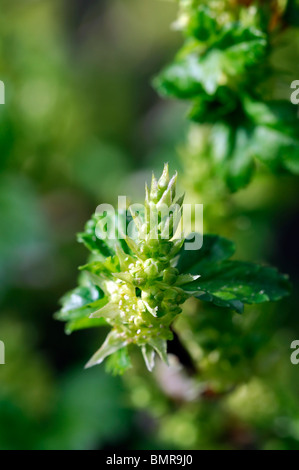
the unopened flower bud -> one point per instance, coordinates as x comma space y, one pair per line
140, 279
138, 321
170, 275
151, 268
165, 248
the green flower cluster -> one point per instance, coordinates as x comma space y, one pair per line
138, 283
145, 296
250, 12
225, 68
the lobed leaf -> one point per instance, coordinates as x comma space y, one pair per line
214, 250
234, 283
81, 302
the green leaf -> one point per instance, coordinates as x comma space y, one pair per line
102, 268
103, 245
160, 346
92, 242
84, 323
276, 149
292, 13
275, 140
243, 47
181, 79
233, 283
271, 138
275, 114
195, 71
201, 25
232, 153
218, 107
81, 302
240, 165
112, 343
149, 356
214, 250
119, 362
108, 311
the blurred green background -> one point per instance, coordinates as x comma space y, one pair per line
80, 126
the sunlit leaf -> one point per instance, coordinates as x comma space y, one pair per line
112, 343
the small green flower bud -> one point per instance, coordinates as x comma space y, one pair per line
143, 249
165, 248
162, 310
170, 275
140, 305
140, 280
159, 296
171, 295
164, 179
151, 268
153, 243
149, 299
138, 321
154, 190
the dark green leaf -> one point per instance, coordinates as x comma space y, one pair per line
92, 242
276, 149
182, 79
95, 236
81, 302
214, 108
240, 165
233, 283
201, 25
214, 250
275, 114
244, 47
194, 71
